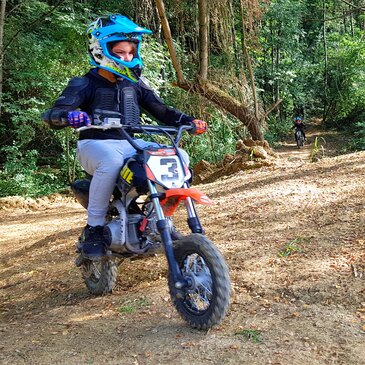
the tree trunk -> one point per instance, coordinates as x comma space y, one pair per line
203, 39
351, 25
325, 78
167, 33
249, 65
2, 19
206, 89
228, 103
277, 67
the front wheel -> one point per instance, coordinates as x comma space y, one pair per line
301, 140
100, 276
299, 137
204, 303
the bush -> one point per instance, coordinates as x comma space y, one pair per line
358, 142
21, 176
276, 130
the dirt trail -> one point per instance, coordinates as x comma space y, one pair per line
293, 236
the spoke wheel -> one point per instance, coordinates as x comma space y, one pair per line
100, 276
205, 301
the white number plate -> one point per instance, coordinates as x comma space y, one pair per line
167, 170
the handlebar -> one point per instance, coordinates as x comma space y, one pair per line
147, 129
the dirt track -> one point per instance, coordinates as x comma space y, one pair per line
293, 236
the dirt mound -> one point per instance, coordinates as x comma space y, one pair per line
29, 204
249, 155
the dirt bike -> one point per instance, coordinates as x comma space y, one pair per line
148, 191
299, 138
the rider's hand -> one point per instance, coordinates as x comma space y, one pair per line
199, 126
77, 119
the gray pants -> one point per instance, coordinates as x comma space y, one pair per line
104, 159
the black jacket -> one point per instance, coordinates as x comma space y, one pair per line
301, 126
92, 93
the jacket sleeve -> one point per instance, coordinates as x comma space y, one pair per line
72, 97
158, 109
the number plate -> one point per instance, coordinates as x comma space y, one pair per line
167, 170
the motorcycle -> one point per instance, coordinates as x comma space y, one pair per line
149, 189
299, 137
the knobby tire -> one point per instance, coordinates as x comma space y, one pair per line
201, 246
100, 276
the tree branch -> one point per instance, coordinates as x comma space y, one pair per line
353, 6
272, 107
345, 13
227, 103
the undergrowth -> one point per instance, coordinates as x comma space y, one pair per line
21, 176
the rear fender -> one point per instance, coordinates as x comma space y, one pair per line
173, 197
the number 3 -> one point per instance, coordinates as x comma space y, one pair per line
172, 169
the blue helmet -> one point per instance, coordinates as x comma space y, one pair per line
103, 33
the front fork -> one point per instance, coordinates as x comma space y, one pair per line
163, 227
193, 219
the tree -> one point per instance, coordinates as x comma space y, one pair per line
2, 19
201, 85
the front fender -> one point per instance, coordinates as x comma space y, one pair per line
173, 197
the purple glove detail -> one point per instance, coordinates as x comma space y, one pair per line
77, 119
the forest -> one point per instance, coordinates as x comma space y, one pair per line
247, 67
290, 224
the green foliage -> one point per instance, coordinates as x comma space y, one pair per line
346, 75
292, 247
46, 57
223, 130
221, 138
292, 63
132, 306
46, 46
252, 335
281, 75
277, 130
21, 176
317, 150
358, 142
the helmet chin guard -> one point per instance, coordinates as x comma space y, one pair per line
111, 29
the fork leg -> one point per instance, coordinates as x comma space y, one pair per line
163, 227
193, 219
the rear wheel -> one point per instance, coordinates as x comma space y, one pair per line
204, 303
100, 276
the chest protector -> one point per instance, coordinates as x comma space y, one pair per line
119, 102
